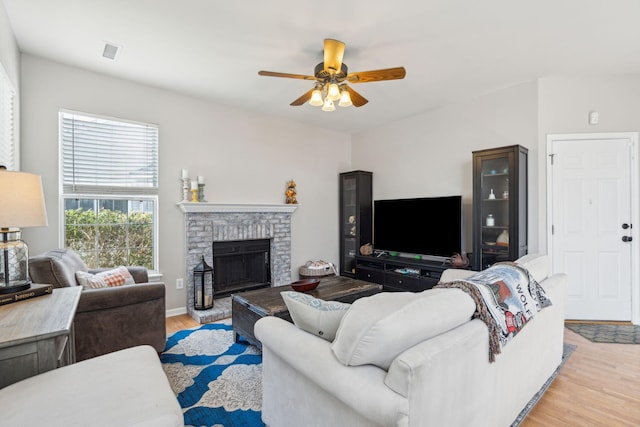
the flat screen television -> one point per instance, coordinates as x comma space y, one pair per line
430, 226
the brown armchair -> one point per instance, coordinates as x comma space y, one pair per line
107, 319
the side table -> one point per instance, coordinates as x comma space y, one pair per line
36, 335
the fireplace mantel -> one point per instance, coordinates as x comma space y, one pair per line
210, 207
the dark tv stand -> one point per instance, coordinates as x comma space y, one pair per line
399, 273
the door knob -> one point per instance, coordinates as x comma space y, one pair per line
627, 238
625, 226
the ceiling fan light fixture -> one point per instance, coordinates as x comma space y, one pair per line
332, 79
328, 105
316, 96
333, 92
345, 98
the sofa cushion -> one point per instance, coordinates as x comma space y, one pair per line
118, 276
314, 315
538, 265
378, 328
123, 388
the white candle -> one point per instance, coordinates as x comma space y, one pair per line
200, 179
194, 185
185, 173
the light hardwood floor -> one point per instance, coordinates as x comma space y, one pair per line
598, 386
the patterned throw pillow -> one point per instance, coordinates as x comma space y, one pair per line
118, 276
313, 315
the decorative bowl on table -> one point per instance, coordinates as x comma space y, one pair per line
305, 285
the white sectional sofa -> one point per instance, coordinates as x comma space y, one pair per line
126, 388
444, 379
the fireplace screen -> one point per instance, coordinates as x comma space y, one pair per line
241, 265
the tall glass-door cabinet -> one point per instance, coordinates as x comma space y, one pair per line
356, 217
499, 205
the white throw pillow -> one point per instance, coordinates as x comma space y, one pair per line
118, 276
378, 328
313, 315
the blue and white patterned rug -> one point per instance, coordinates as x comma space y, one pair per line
218, 383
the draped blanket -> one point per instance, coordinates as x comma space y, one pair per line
506, 297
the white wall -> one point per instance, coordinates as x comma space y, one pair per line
9, 53
564, 106
430, 154
244, 157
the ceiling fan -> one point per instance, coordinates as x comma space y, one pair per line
331, 77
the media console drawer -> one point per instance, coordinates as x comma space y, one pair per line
373, 275
399, 274
402, 282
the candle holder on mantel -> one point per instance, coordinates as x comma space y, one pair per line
202, 286
194, 191
201, 193
186, 186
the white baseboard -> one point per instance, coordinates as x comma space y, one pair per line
176, 311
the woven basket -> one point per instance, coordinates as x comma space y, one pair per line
315, 272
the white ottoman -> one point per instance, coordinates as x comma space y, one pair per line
124, 388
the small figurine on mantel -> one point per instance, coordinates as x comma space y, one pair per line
291, 193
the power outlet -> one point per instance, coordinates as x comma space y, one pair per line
179, 283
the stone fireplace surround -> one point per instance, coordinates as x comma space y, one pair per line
208, 222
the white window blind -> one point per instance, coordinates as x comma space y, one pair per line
108, 156
7, 124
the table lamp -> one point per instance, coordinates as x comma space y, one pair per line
21, 205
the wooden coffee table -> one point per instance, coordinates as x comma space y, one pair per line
248, 307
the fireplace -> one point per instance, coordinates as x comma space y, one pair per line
208, 224
241, 265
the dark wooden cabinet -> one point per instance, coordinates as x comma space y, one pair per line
398, 273
356, 217
499, 205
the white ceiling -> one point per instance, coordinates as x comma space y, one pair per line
452, 49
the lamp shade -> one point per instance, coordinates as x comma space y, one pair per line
22, 200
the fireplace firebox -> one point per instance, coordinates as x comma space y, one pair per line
241, 265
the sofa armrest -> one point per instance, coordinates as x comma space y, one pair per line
139, 274
446, 378
555, 287
359, 387
107, 298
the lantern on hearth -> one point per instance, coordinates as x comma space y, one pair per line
202, 286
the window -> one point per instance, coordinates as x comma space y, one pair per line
7, 122
110, 189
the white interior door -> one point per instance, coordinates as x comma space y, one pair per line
591, 218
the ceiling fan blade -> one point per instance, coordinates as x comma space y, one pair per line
289, 76
304, 98
357, 99
333, 54
377, 75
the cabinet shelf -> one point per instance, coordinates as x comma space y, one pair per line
499, 170
356, 203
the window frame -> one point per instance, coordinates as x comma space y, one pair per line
8, 96
109, 195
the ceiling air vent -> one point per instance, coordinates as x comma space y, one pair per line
110, 51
